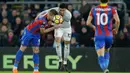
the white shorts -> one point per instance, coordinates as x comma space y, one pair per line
63, 32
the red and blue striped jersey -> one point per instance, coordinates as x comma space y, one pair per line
103, 17
39, 22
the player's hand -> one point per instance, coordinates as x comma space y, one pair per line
114, 31
57, 26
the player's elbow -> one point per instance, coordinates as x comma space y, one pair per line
118, 22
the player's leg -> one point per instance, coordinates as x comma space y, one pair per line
67, 38
24, 43
58, 35
18, 57
36, 59
35, 44
108, 44
100, 48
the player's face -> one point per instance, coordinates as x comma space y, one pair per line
50, 16
61, 11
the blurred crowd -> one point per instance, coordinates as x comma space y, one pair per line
13, 19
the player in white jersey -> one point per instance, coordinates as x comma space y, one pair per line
65, 32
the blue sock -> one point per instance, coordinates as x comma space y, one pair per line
101, 62
36, 61
107, 57
18, 57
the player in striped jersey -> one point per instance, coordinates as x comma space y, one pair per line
31, 37
103, 16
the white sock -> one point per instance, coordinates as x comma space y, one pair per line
35, 69
15, 67
59, 51
65, 62
66, 52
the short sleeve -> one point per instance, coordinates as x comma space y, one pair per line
114, 11
91, 12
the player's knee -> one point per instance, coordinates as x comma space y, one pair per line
23, 48
58, 39
100, 52
107, 50
36, 50
67, 42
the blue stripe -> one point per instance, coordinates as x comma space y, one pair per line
95, 18
35, 27
109, 21
101, 25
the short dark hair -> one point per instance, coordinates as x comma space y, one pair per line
103, 1
63, 5
53, 11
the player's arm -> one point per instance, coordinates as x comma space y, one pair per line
67, 17
117, 20
43, 30
89, 20
42, 26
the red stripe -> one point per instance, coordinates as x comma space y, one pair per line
111, 23
98, 25
107, 33
113, 11
30, 26
91, 12
37, 29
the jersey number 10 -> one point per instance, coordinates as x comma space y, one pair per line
101, 17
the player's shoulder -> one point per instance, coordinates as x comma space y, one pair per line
41, 17
68, 12
111, 7
94, 7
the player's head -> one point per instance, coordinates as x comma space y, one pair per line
104, 1
62, 8
51, 14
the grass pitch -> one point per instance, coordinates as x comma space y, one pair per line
58, 72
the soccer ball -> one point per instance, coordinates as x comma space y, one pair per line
58, 19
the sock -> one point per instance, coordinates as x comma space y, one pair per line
66, 52
107, 57
59, 51
36, 61
18, 58
101, 62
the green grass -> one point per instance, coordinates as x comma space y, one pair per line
58, 72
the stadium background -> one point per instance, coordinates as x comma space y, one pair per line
16, 14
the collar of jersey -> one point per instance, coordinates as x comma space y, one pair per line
103, 5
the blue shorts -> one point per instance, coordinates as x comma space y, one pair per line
103, 41
30, 39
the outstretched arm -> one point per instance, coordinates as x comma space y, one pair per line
43, 30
